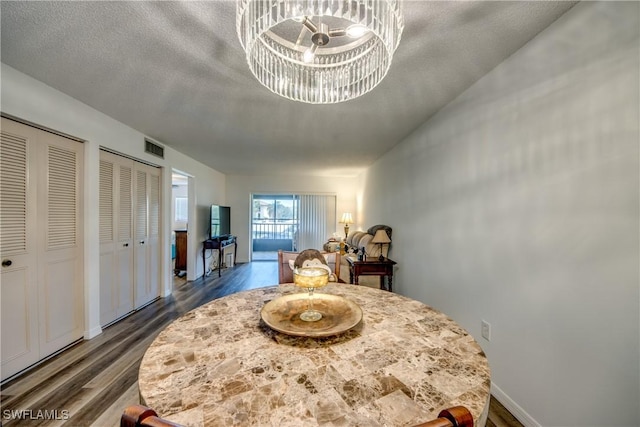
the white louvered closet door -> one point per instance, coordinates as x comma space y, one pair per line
140, 237
41, 244
60, 253
124, 246
18, 248
116, 237
146, 230
153, 238
108, 272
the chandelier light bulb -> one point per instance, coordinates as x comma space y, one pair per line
355, 31
310, 54
352, 45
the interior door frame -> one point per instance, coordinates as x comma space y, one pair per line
191, 221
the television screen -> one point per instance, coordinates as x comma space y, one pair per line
220, 220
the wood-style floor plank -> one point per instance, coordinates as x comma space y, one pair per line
499, 416
95, 380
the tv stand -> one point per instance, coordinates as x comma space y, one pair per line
219, 243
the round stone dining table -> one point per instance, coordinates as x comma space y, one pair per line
221, 365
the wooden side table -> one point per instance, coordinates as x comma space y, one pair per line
372, 267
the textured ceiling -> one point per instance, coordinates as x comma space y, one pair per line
176, 72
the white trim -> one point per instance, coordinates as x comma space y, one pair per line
515, 409
194, 245
43, 128
92, 333
127, 156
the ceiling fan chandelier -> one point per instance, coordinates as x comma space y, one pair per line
319, 51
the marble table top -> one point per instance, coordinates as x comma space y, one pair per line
220, 365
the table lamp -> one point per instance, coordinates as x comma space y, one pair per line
381, 237
346, 220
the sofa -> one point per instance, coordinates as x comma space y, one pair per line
356, 240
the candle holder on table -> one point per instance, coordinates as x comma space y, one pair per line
310, 278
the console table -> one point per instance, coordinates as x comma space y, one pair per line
219, 243
372, 267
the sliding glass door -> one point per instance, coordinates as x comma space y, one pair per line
274, 224
290, 222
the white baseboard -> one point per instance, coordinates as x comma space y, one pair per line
515, 409
93, 332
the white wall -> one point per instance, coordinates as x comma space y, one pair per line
240, 188
31, 100
518, 203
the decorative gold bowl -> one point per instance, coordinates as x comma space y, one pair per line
310, 277
284, 314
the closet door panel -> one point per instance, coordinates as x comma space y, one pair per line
108, 265
19, 324
130, 237
124, 246
146, 233
153, 239
59, 320
116, 237
18, 248
108, 297
140, 255
60, 257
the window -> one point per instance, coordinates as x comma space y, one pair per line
274, 217
291, 221
182, 210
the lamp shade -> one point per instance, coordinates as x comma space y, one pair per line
346, 218
381, 236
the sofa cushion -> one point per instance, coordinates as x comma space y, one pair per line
354, 237
361, 239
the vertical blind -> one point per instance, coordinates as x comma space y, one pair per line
317, 219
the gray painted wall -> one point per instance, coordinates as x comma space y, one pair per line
519, 204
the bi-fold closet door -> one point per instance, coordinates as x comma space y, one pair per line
41, 247
129, 235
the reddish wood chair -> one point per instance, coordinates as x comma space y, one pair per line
457, 416
141, 416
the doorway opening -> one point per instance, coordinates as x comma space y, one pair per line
179, 227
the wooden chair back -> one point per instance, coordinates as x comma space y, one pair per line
141, 416
457, 416
285, 274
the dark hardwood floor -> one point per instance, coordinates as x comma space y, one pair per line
90, 383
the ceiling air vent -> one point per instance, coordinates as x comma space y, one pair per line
152, 148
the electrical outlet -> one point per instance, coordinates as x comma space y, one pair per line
486, 330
